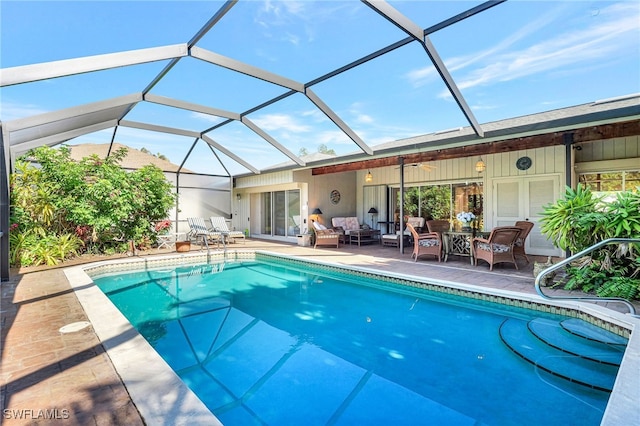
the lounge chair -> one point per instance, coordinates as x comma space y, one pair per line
325, 236
525, 227
425, 243
220, 225
498, 248
200, 231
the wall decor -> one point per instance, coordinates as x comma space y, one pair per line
523, 163
335, 196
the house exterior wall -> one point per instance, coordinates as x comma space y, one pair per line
315, 192
609, 149
357, 196
612, 155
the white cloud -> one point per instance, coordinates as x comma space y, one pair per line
364, 119
12, 111
213, 119
613, 32
280, 122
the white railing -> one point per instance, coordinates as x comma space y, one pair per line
563, 263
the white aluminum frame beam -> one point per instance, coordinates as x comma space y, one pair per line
246, 69
229, 154
47, 70
405, 24
156, 128
251, 125
69, 113
161, 100
59, 138
337, 120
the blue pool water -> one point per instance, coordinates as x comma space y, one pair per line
277, 344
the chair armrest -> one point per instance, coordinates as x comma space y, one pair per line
428, 235
480, 240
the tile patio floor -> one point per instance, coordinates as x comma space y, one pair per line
71, 375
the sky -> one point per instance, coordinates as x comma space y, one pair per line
515, 59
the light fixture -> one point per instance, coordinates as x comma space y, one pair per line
480, 166
316, 212
238, 197
372, 211
368, 177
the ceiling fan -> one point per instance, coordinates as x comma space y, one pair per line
426, 167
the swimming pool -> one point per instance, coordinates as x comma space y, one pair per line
361, 353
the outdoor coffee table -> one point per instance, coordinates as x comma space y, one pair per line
364, 236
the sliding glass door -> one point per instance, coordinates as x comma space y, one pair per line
280, 213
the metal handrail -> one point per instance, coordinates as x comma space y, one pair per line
541, 275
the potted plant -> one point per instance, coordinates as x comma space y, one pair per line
466, 218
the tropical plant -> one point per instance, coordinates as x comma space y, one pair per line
91, 205
580, 220
567, 222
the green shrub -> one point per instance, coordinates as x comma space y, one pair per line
64, 207
581, 220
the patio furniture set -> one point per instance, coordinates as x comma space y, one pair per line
502, 244
344, 229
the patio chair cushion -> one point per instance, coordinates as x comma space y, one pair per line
497, 248
428, 243
319, 227
348, 224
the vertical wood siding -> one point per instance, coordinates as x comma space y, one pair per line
609, 149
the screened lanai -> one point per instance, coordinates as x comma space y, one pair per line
227, 89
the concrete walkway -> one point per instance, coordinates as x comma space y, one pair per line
68, 377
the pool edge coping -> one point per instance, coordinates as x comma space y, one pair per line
142, 370
620, 407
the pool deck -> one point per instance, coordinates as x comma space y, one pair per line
69, 376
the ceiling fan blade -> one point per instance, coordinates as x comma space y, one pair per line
426, 167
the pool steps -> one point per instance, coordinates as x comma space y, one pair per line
570, 349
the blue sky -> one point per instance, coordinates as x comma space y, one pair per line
518, 58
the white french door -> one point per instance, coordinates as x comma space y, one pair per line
523, 199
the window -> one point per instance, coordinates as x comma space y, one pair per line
440, 201
608, 183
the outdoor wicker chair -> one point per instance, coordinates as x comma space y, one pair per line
525, 228
426, 243
498, 248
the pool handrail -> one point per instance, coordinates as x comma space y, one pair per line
556, 266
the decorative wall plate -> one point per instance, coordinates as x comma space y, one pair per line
523, 163
335, 196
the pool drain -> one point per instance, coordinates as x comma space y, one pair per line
74, 326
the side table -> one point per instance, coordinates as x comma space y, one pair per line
457, 243
169, 240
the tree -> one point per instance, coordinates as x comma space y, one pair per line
322, 148
93, 200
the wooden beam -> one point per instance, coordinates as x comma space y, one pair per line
588, 134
